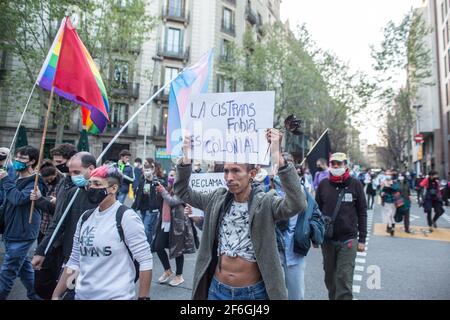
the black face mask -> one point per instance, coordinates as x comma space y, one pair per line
97, 195
2, 157
63, 168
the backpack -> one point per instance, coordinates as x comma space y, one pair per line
119, 216
310, 226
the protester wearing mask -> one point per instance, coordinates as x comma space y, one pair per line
18, 234
4, 153
371, 191
341, 197
388, 191
117, 235
61, 155
322, 172
128, 174
405, 192
432, 198
147, 201
174, 231
48, 265
52, 177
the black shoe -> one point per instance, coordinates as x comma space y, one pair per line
434, 225
388, 229
392, 232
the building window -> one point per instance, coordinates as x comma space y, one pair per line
169, 74
225, 50
175, 8
228, 21
173, 40
225, 85
121, 75
165, 115
118, 115
445, 65
442, 12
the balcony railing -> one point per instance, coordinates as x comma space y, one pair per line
174, 14
131, 90
230, 29
176, 53
163, 96
251, 15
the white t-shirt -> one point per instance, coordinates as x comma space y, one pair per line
106, 269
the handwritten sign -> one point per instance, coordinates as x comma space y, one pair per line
206, 183
230, 127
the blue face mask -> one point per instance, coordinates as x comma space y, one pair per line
19, 166
79, 181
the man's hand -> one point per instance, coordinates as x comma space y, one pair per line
361, 247
187, 210
3, 173
37, 262
53, 200
274, 138
160, 188
187, 146
35, 195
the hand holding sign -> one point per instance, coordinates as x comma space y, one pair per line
274, 138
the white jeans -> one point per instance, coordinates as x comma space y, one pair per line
389, 213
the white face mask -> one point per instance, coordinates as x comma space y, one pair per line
401, 178
337, 172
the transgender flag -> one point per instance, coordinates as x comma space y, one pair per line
192, 81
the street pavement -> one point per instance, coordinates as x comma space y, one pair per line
391, 268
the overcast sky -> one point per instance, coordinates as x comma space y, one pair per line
348, 28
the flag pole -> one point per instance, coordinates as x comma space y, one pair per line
99, 159
41, 152
8, 159
315, 144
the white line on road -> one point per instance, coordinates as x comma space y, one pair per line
357, 277
356, 289
360, 260
359, 268
361, 254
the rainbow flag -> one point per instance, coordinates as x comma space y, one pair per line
192, 81
69, 68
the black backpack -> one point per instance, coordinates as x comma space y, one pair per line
119, 216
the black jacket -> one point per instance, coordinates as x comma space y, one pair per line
65, 234
351, 220
152, 201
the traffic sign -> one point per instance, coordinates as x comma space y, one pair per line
419, 138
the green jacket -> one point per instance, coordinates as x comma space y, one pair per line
264, 210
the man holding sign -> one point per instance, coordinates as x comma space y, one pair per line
238, 257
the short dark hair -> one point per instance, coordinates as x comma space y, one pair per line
139, 160
88, 160
432, 173
250, 167
150, 160
48, 171
31, 152
124, 153
66, 150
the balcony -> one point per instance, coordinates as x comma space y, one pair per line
174, 53
162, 97
130, 90
251, 16
230, 29
233, 2
177, 15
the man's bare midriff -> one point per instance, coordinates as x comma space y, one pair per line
238, 272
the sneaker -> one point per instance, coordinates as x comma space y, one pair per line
176, 281
392, 232
165, 277
434, 225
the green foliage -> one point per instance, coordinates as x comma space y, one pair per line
309, 82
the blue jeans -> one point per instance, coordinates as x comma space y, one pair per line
221, 291
122, 197
17, 263
294, 277
149, 219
